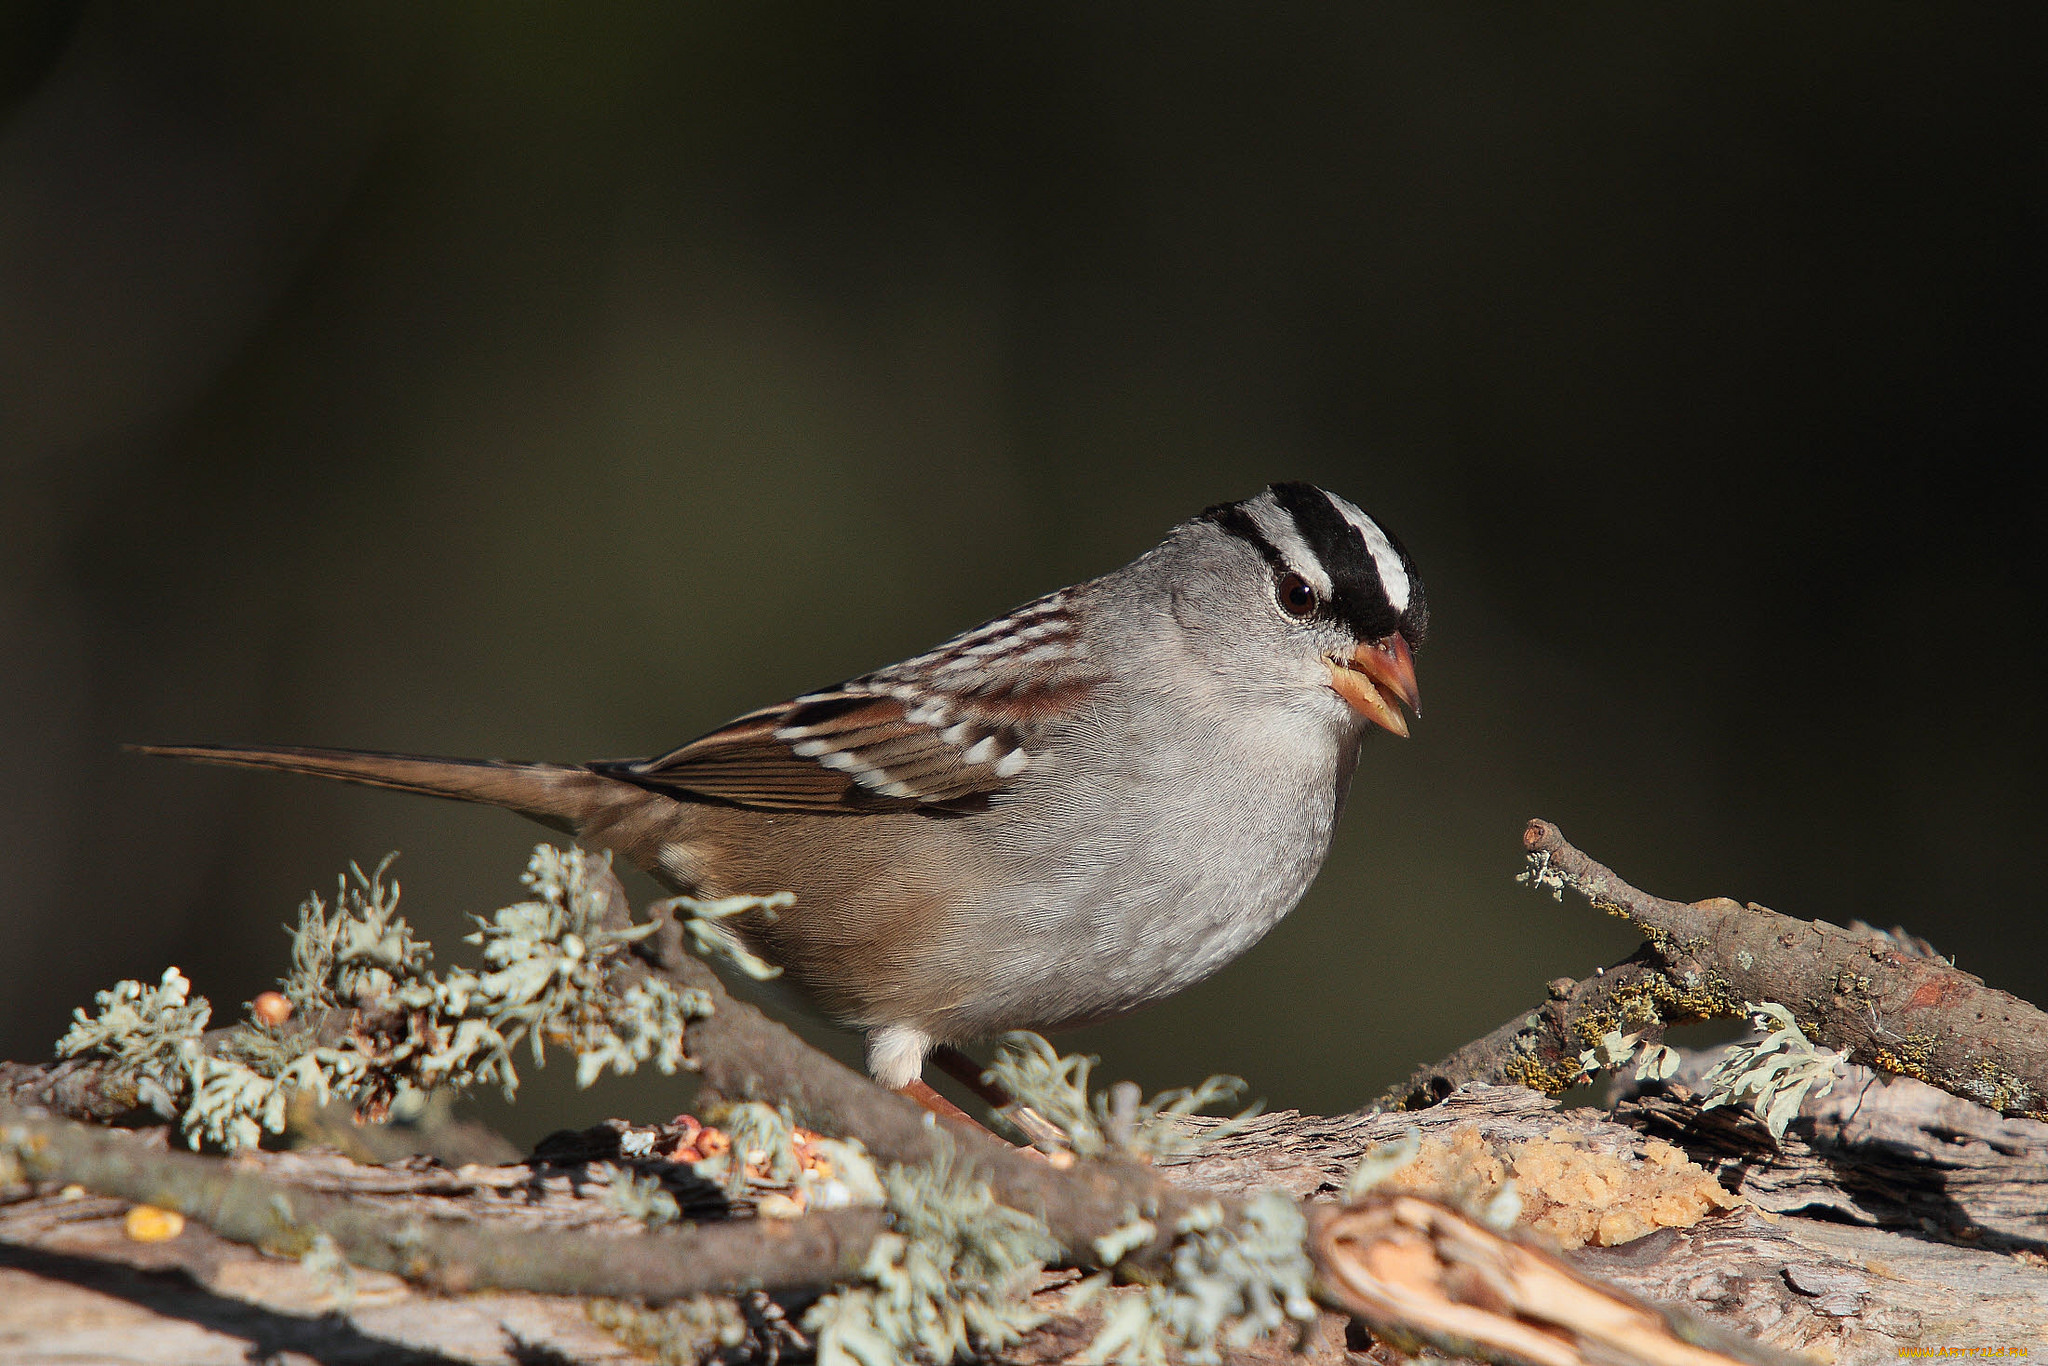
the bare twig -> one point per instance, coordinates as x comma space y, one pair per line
78, 1088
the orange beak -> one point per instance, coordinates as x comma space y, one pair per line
1376, 677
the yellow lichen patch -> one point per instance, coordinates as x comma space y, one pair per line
1463, 1171
148, 1224
1577, 1195
1571, 1194
1526, 1070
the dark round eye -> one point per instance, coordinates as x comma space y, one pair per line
1295, 595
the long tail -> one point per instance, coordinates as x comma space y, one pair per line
557, 795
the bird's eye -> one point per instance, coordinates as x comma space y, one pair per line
1295, 595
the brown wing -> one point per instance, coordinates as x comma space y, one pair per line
936, 731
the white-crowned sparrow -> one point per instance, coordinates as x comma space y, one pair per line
1063, 814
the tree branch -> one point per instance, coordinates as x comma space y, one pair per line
1895, 1008
656, 1265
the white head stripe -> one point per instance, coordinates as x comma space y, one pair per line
1393, 576
1277, 526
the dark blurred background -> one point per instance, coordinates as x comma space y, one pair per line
557, 381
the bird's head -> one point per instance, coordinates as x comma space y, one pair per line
1321, 601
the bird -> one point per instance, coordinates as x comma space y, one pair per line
1061, 815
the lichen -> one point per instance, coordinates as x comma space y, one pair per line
704, 922
12, 1172
761, 1146
330, 1272
641, 1198
954, 1276
1998, 1088
148, 1035
1542, 877
1527, 1066
1468, 1177
1659, 996
1909, 1055
1773, 1073
1229, 1284
1117, 1120
1614, 1048
686, 1333
373, 1023
1379, 1162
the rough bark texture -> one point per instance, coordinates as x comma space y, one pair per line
1310, 1155
1891, 1152
81, 1090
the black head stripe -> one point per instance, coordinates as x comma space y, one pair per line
1234, 519
1360, 598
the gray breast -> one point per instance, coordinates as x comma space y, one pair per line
1132, 885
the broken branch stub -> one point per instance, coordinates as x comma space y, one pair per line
1423, 1275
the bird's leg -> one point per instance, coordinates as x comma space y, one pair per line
1042, 1132
921, 1092
967, 1072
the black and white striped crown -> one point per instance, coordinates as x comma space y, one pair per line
1361, 574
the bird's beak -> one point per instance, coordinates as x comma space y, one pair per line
1376, 676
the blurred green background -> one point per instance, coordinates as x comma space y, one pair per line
557, 381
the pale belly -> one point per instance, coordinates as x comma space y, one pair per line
1107, 910
1094, 904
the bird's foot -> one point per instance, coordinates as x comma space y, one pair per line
1046, 1139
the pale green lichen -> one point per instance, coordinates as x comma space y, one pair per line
552, 958
148, 1034
405, 1030
687, 1333
704, 921
839, 1175
1379, 1162
643, 1199
1230, 1283
1775, 1072
954, 1276
1614, 1048
232, 1104
331, 1272
1540, 876
359, 953
1501, 1212
1118, 1120
762, 1137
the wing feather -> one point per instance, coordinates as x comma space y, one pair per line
945, 728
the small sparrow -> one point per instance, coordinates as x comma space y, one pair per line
1070, 811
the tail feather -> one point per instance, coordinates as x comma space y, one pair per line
561, 796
